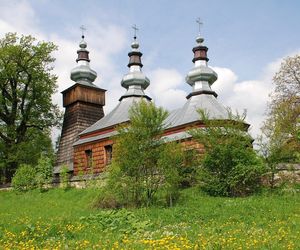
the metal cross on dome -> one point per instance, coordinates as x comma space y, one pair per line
198, 20
135, 30
83, 29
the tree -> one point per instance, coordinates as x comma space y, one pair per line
229, 166
143, 163
26, 109
282, 124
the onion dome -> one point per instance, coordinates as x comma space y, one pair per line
82, 73
201, 77
202, 97
135, 81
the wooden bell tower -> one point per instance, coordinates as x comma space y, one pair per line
83, 103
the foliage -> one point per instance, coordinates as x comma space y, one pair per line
122, 221
26, 109
189, 171
24, 178
170, 163
64, 177
282, 125
230, 166
143, 163
44, 172
196, 221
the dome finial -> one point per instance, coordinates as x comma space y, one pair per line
199, 38
198, 20
135, 45
83, 29
83, 43
135, 30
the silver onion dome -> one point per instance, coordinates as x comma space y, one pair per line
201, 72
135, 77
82, 73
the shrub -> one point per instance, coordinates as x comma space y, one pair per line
44, 172
64, 177
24, 178
230, 166
188, 172
143, 162
170, 162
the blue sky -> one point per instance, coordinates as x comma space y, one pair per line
246, 40
251, 32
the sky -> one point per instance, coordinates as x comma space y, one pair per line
247, 41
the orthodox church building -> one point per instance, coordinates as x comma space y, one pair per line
87, 134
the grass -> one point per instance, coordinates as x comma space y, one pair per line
60, 219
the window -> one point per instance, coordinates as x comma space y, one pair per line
108, 154
89, 158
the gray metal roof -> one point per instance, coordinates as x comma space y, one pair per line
95, 138
177, 136
167, 138
185, 115
188, 113
134, 90
118, 115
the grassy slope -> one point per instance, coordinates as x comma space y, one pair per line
65, 218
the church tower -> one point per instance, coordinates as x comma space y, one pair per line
93, 150
83, 103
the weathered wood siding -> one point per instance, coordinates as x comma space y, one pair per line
84, 106
84, 94
99, 157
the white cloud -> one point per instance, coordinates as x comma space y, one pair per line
16, 16
165, 88
251, 95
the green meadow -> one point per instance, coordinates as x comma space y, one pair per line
67, 219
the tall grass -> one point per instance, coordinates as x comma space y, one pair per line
61, 219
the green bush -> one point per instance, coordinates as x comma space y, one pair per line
24, 178
230, 166
64, 177
143, 163
170, 162
44, 172
188, 171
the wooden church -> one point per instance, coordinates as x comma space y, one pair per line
86, 142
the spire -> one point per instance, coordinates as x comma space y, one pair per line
135, 81
201, 77
200, 51
83, 53
82, 73
135, 55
